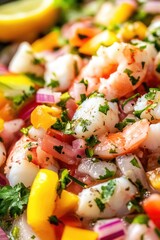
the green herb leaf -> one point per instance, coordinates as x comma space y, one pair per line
89, 152
53, 83
92, 141
132, 78
54, 220
85, 82
129, 99
104, 108
100, 204
108, 174
25, 130
36, 79
84, 123
123, 124
58, 148
135, 163
141, 219
13, 200
108, 190
63, 99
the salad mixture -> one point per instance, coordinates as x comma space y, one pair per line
80, 125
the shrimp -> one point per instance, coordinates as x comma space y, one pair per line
120, 68
24, 161
61, 72
152, 141
95, 116
97, 169
132, 168
120, 143
157, 66
148, 106
23, 61
100, 201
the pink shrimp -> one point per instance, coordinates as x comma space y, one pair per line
24, 161
117, 144
119, 69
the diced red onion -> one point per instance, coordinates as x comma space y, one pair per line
79, 146
3, 181
67, 154
110, 229
25, 112
71, 108
3, 235
46, 95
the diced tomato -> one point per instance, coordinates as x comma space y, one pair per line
71, 107
151, 206
60, 150
60, 136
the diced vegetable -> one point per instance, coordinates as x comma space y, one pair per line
1, 124
151, 206
46, 95
48, 42
110, 229
79, 234
66, 203
3, 235
43, 116
105, 38
42, 203
154, 178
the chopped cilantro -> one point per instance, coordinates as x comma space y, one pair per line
19, 99
25, 130
132, 78
33, 237
85, 82
124, 123
58, 125
29, 157
89, 152
113, 150
108, 190
134, 205
151, 94
83, 98
100, 204
36, 79
58, 148
64, 116
135, 163
92, 141
13, 200
129, 99
84, 123
142, 47
54, 220
15, 233
107, 174
96, 94
141, 219
37, 61
149, 107
69, 128
104, 108
53, 83
63, 99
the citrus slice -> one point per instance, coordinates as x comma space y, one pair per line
23, 20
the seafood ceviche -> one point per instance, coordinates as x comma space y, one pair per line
80, 127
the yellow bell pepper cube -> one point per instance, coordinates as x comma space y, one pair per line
131, 30
71, 233
154, 178
44, 116
1, 124
66, 203
105, 38
121, 13
48, 42
41, 203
